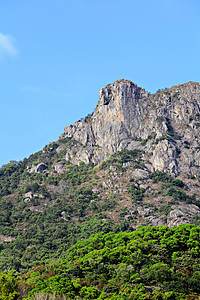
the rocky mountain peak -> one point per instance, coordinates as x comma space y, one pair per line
164, 125
68, 200
121, 89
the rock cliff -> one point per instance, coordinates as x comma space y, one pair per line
101, 175
164, 125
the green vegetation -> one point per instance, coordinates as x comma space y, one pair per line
9, 283
165, 178
149, 263
55, 218
136, 193
64, 208
10, 177
122, 157
182, 196
42, 215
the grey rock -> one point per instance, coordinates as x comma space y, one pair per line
144, 211
40, 168
144, 186
182, 214
164, 157
126, 165
28, 195
27, 200
126, 114
139, 173
59, 168
176, 213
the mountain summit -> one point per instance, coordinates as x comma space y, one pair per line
164, 125
134, 161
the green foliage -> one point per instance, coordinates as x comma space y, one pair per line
179, 195
10, 177
8, 285
149, 263
72, 213
136, 193
166, 178
116, 262
121, 157
165, 209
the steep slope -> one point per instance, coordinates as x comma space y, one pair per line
127, 115
134, 161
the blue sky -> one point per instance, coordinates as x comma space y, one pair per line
56, 55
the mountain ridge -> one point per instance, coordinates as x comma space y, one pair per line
127, 115
133, 162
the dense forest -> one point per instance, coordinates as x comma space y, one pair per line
148, 263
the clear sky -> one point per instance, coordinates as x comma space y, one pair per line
56, 55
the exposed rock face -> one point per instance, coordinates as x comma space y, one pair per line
7, 239
164, 157
182, 214
114, 123
165, 125
40, 168
28, 195
59, 168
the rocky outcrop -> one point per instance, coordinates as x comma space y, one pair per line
164, 157
6, 239
182, 214
165, 125
29, 195
39, 168
59, 168
113, 125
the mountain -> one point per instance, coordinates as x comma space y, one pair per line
164, 125
134, 161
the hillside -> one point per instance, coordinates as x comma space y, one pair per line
134, 161
149, 263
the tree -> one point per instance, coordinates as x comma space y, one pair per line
8, 285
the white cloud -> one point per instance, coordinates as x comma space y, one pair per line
43, 90
7, 45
